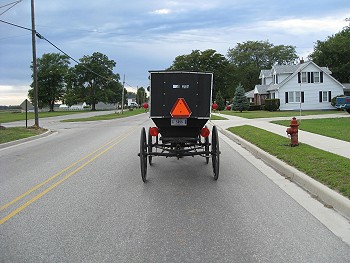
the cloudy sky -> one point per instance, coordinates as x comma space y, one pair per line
148, 35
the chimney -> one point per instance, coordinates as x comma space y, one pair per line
302, 60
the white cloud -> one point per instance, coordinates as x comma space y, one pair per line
161, 11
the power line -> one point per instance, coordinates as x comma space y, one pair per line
44, 38
11, 5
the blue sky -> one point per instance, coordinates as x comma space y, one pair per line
148, 35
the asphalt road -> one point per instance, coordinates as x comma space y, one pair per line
77, 196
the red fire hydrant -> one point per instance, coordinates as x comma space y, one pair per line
293, 131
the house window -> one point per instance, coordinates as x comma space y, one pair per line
325, 96
275, 79
291, 96
294, 97
316, 77
303, 77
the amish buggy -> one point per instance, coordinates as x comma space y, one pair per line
179, 106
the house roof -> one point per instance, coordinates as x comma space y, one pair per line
280, 69
250, 94
346, 86
261, 89
265, 73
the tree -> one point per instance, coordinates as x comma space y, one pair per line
220, 101
141, 95
52, 70
208, 60
250, 57
93, 81
334, 53
240, 101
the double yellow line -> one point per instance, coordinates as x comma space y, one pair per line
103, 149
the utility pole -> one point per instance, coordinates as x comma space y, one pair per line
123, 94
35, 78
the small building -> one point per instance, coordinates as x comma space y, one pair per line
30, 106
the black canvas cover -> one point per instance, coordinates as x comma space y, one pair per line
167, 86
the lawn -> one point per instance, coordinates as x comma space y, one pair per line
126, 113
338, 128
7, 116
272, 114
217, 117
16, 133
327, 168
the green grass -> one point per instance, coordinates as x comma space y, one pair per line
327, 168
217, 117
16, 133
126, 113
6, 116
272, 114
338, 128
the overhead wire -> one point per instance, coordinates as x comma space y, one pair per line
11, 6
44, 38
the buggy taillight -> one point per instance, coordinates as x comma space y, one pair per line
205, 132
153, 131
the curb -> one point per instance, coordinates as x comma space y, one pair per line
326, 195
32, 138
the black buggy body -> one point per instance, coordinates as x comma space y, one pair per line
180, 106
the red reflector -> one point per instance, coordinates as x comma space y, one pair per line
205, 132
153, 131
180, 109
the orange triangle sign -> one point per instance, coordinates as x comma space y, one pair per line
181, 109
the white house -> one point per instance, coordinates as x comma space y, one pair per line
304, 85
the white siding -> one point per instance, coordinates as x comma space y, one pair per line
311, 92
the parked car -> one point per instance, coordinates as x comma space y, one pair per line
133, 105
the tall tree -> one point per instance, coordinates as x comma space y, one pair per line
52, 69
250, 57
334, 53
208, 60
93, 81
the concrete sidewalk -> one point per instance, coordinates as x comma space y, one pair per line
328, 144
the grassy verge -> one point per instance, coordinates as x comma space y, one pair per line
272, 114
338, 128
16, 133
126, 113
217, 117
20, 116
327, 168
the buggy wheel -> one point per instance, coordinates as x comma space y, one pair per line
143, 154
149, 147
206, 147
215, 152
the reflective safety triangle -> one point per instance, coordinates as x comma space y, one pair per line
180, 109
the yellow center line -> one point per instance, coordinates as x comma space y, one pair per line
19, 209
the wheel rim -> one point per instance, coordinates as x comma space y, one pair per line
215, 153
143, 155
149, 147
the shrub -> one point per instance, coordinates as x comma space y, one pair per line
254, 107
272, 104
